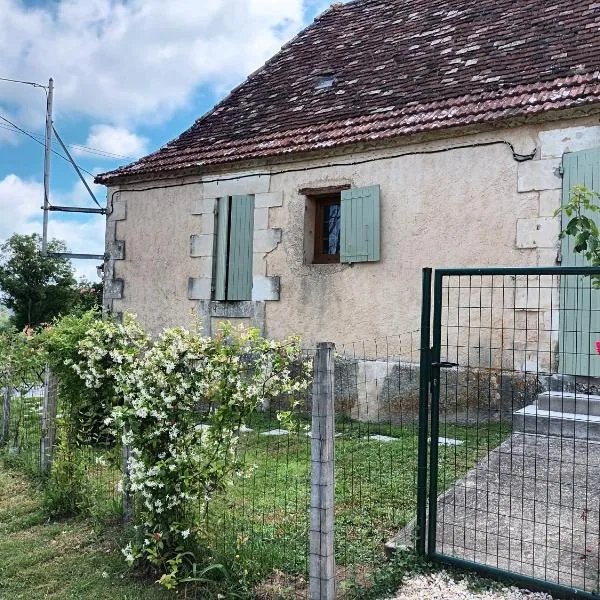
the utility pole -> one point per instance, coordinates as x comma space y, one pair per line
47, 150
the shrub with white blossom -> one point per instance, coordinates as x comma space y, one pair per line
184, 398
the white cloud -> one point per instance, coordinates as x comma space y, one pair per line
115, 141
20, 202
131, 61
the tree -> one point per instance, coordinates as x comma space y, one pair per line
4, 319
36, 288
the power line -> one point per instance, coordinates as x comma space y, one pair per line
100, 152
80, 146
32, 83
40, 142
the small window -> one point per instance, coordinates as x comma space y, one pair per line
325, 82
327, 229
342, 225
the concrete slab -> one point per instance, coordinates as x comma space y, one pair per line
276, 432
532, 506
381, 438
443, 441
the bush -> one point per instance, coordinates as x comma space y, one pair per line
183, 400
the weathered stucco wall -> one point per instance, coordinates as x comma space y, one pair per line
153, 231
474, 206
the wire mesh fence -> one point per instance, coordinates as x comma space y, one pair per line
22, 422
525, 393
34, 441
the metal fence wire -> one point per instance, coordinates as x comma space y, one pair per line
31, 435
515, 408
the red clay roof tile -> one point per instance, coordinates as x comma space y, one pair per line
401, 67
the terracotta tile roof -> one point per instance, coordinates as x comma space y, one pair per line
399, 67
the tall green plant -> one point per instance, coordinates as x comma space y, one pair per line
84, 409
581, 227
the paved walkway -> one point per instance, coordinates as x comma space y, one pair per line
532, 506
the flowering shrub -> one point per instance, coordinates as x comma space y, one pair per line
183, 401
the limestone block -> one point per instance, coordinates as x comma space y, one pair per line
259, 264
203, 206
265, 288
261, 218
538, 175
244, 183
116, 250
113, 289
266, 240
207, 224
203, 266
571, 139
201, 245
533, 297
549, 202
267, 200
540, 232
199, 288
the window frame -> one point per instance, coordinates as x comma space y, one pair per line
321, 201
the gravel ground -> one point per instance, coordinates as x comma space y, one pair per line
440, 586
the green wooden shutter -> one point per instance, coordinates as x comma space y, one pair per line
579, 303
241, 230
221, 248
359, 236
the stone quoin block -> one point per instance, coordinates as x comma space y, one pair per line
201, 245
199, 288
244, 183
538, 175
267, 200
265, 288
556, 142
266, 240
540, 232
261, 218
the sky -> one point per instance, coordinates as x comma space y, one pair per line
129, 75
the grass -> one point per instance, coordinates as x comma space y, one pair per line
259, 527
264, 516
67, 560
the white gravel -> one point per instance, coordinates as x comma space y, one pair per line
440, 586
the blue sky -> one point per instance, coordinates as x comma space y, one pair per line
129, 76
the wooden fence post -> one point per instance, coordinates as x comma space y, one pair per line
126, 493
322, 556
6, 414
48, 437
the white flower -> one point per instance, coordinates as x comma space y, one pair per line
104, 575
185, 534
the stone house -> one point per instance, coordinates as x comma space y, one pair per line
385, 137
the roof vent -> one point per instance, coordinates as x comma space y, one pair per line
324, 82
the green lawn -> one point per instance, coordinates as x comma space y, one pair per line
258, 526
67, 560
266, 512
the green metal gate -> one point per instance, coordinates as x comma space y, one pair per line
509, 459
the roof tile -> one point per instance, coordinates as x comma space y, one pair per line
401, 67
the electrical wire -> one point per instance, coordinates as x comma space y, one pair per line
100, 152
32, 83
516, 157
40, 142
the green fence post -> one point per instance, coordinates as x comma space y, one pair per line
424, 369
435, 412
